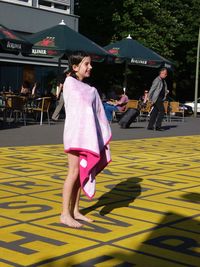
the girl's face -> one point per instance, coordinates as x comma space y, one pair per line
83, 69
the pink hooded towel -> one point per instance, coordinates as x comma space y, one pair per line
86, 130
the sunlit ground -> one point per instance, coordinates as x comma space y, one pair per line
146, 208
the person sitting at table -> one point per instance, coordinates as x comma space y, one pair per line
143, 100
115, 105
25, 89
34, 91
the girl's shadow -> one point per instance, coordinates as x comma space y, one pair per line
120, 195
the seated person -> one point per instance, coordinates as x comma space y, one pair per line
25, 89
115, 105
34, 91
144, 99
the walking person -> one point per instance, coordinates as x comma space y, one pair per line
59, 96
86, 138
157, 95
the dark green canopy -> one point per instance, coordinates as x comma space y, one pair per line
60, 39
134, 53
10, 42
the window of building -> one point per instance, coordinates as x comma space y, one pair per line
22, 2
62, 6
57, 5
44, 3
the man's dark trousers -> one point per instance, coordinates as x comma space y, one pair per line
157, 114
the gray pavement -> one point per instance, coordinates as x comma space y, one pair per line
20, 135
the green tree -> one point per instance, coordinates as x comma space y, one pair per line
149, 23
96, 19
187, 14
168, 27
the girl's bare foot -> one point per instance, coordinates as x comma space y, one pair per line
79, 216
69, 221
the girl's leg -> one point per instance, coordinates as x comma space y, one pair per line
75, 196
68, 190
76, 212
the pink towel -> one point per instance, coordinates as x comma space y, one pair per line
86, 130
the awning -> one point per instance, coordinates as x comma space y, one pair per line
19, 59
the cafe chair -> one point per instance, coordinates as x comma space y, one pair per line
166, 110
2, 107
145, 110
42, 106
16, 105
132, 103
176, 111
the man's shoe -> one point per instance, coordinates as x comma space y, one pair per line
150, 128
54, 120
159, 129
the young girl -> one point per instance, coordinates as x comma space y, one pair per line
86, 137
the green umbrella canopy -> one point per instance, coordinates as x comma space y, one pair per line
60, 39
134, 53
10, 42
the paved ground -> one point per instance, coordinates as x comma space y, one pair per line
45, 134
146, 207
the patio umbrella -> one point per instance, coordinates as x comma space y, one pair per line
133, 53
12, 43
60, 39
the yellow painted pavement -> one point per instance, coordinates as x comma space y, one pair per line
146, 208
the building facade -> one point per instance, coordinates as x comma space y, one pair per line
26, 17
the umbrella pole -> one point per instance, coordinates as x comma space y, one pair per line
59, 66
125, 76
197, 77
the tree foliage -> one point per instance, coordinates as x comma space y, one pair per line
170, 28
187, 15
96, 19
148, 23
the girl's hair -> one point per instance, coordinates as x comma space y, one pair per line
75, 59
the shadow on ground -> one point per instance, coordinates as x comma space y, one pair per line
172, 243
120, 195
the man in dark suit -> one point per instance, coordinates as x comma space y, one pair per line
157, 95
